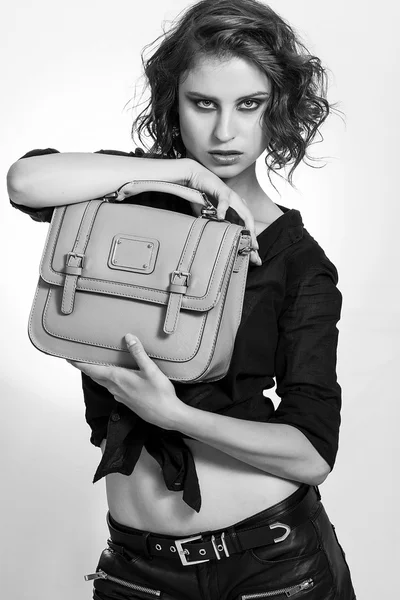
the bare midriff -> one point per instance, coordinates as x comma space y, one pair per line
230, 489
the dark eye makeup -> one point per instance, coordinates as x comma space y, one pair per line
256, 102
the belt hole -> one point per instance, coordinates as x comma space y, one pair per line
158, 547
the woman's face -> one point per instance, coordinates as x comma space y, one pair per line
221, 104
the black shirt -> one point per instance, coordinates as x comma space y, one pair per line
288, 330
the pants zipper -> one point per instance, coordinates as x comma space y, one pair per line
133, 586
289, 591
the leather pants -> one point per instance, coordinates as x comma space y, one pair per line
309, 564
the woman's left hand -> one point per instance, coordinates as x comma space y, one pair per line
147, 391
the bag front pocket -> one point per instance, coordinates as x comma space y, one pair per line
143, 590
286, 592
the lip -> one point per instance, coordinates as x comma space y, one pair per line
224, 159
225, 152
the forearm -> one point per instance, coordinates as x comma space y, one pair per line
275, 448
68, 177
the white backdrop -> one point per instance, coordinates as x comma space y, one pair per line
68, 70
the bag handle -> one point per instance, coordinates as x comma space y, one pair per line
154, 185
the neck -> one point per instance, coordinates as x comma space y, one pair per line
246, 185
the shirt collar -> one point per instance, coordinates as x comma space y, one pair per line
282, 233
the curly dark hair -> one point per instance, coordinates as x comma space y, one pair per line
247, 29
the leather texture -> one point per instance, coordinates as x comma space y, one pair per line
232, 541
308, 563
174, 280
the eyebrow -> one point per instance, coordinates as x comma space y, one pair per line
198, 95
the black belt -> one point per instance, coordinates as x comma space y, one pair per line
229, 542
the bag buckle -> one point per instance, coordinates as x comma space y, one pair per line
180, 274
208, 210
75, 255
182, 553
245, 246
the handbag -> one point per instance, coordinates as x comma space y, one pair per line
176, 281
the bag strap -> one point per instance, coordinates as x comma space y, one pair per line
182, 274
75, 258
132, 188
179, 277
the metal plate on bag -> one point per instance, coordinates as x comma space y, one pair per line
133, 253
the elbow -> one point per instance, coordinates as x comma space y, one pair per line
15, 184
318, 479
319, 472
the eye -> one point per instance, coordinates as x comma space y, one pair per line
245, 102
198, 102
257, 104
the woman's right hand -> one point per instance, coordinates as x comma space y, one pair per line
201, 178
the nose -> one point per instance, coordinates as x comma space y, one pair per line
224, 127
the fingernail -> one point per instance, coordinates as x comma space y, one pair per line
130, 339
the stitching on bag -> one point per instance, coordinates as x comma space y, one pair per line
56, 234
224, 290
40, 347
64, 337
169, 308
154, 356
165, 294
95, 362
82, 223
97, 290
74, 282
220, 315
181, 261
71, 281
66, 293
32, 311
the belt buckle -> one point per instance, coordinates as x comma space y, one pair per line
284, 536
182, 552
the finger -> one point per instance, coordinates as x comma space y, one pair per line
239, 204
100, 372
255, 258
223, 205
246, 215
136, 349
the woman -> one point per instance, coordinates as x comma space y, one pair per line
234, 511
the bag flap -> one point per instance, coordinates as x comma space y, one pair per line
133, 250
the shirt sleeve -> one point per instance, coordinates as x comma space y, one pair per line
305, 360
45, 214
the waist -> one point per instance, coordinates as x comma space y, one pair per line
271, 525
230, 489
